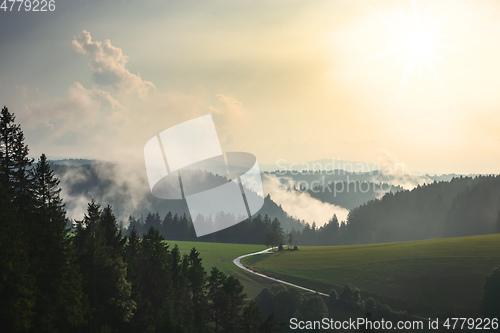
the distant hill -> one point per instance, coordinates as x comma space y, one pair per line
461, 207
351, 194
346, 175
74, 161
350, 189
126, 189
318, 165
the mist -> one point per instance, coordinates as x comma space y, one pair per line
123, 186
301, 205
396, 173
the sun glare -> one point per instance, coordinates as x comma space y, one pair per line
418, 44
414, 43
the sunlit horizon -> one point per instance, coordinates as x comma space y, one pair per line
310, 81
416, 41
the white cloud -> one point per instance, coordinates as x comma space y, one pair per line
229, 115
396, 173
105, 124
82, 117
301, 205
108, 64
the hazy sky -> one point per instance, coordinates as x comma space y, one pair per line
295, 80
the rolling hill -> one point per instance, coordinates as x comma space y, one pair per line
431, 277
126, 189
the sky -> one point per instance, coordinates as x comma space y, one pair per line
292, 80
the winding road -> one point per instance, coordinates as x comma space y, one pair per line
238, 263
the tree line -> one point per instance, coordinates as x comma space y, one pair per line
464, 206
126, 189
255, 230
95, 279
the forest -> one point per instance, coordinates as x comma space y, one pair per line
463, 206
94, 279
92, 275
125, 188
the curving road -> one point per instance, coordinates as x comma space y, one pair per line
238, 263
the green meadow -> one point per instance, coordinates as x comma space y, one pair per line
430, 277
221, 255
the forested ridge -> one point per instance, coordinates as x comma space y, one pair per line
95, 279
255, 230
455, 206
463, 206
126, 189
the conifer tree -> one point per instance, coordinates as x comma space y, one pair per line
17, 285
196, 277
233, 298
112, 233
215, 295
60, 302
104, 273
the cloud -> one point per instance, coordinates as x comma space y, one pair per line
230, 103
228, 115
108, 64
104, 97
300, 204
124, 187
109, 124
395, 172
82, 117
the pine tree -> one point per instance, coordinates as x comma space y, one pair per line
155, 268
112, 233
17, 286
215, 294
143, 319
184, 302
274, 234
196, 277
166, 226
104, 273
60, 300
183, 306
133, 247
233, 298
14, 159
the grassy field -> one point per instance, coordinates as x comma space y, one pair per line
427, 277
221, 255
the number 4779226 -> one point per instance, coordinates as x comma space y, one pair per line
28, 5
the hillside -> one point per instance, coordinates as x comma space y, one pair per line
425, 277
126, 189
350, 195
221, 255
464, 206
356, 172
